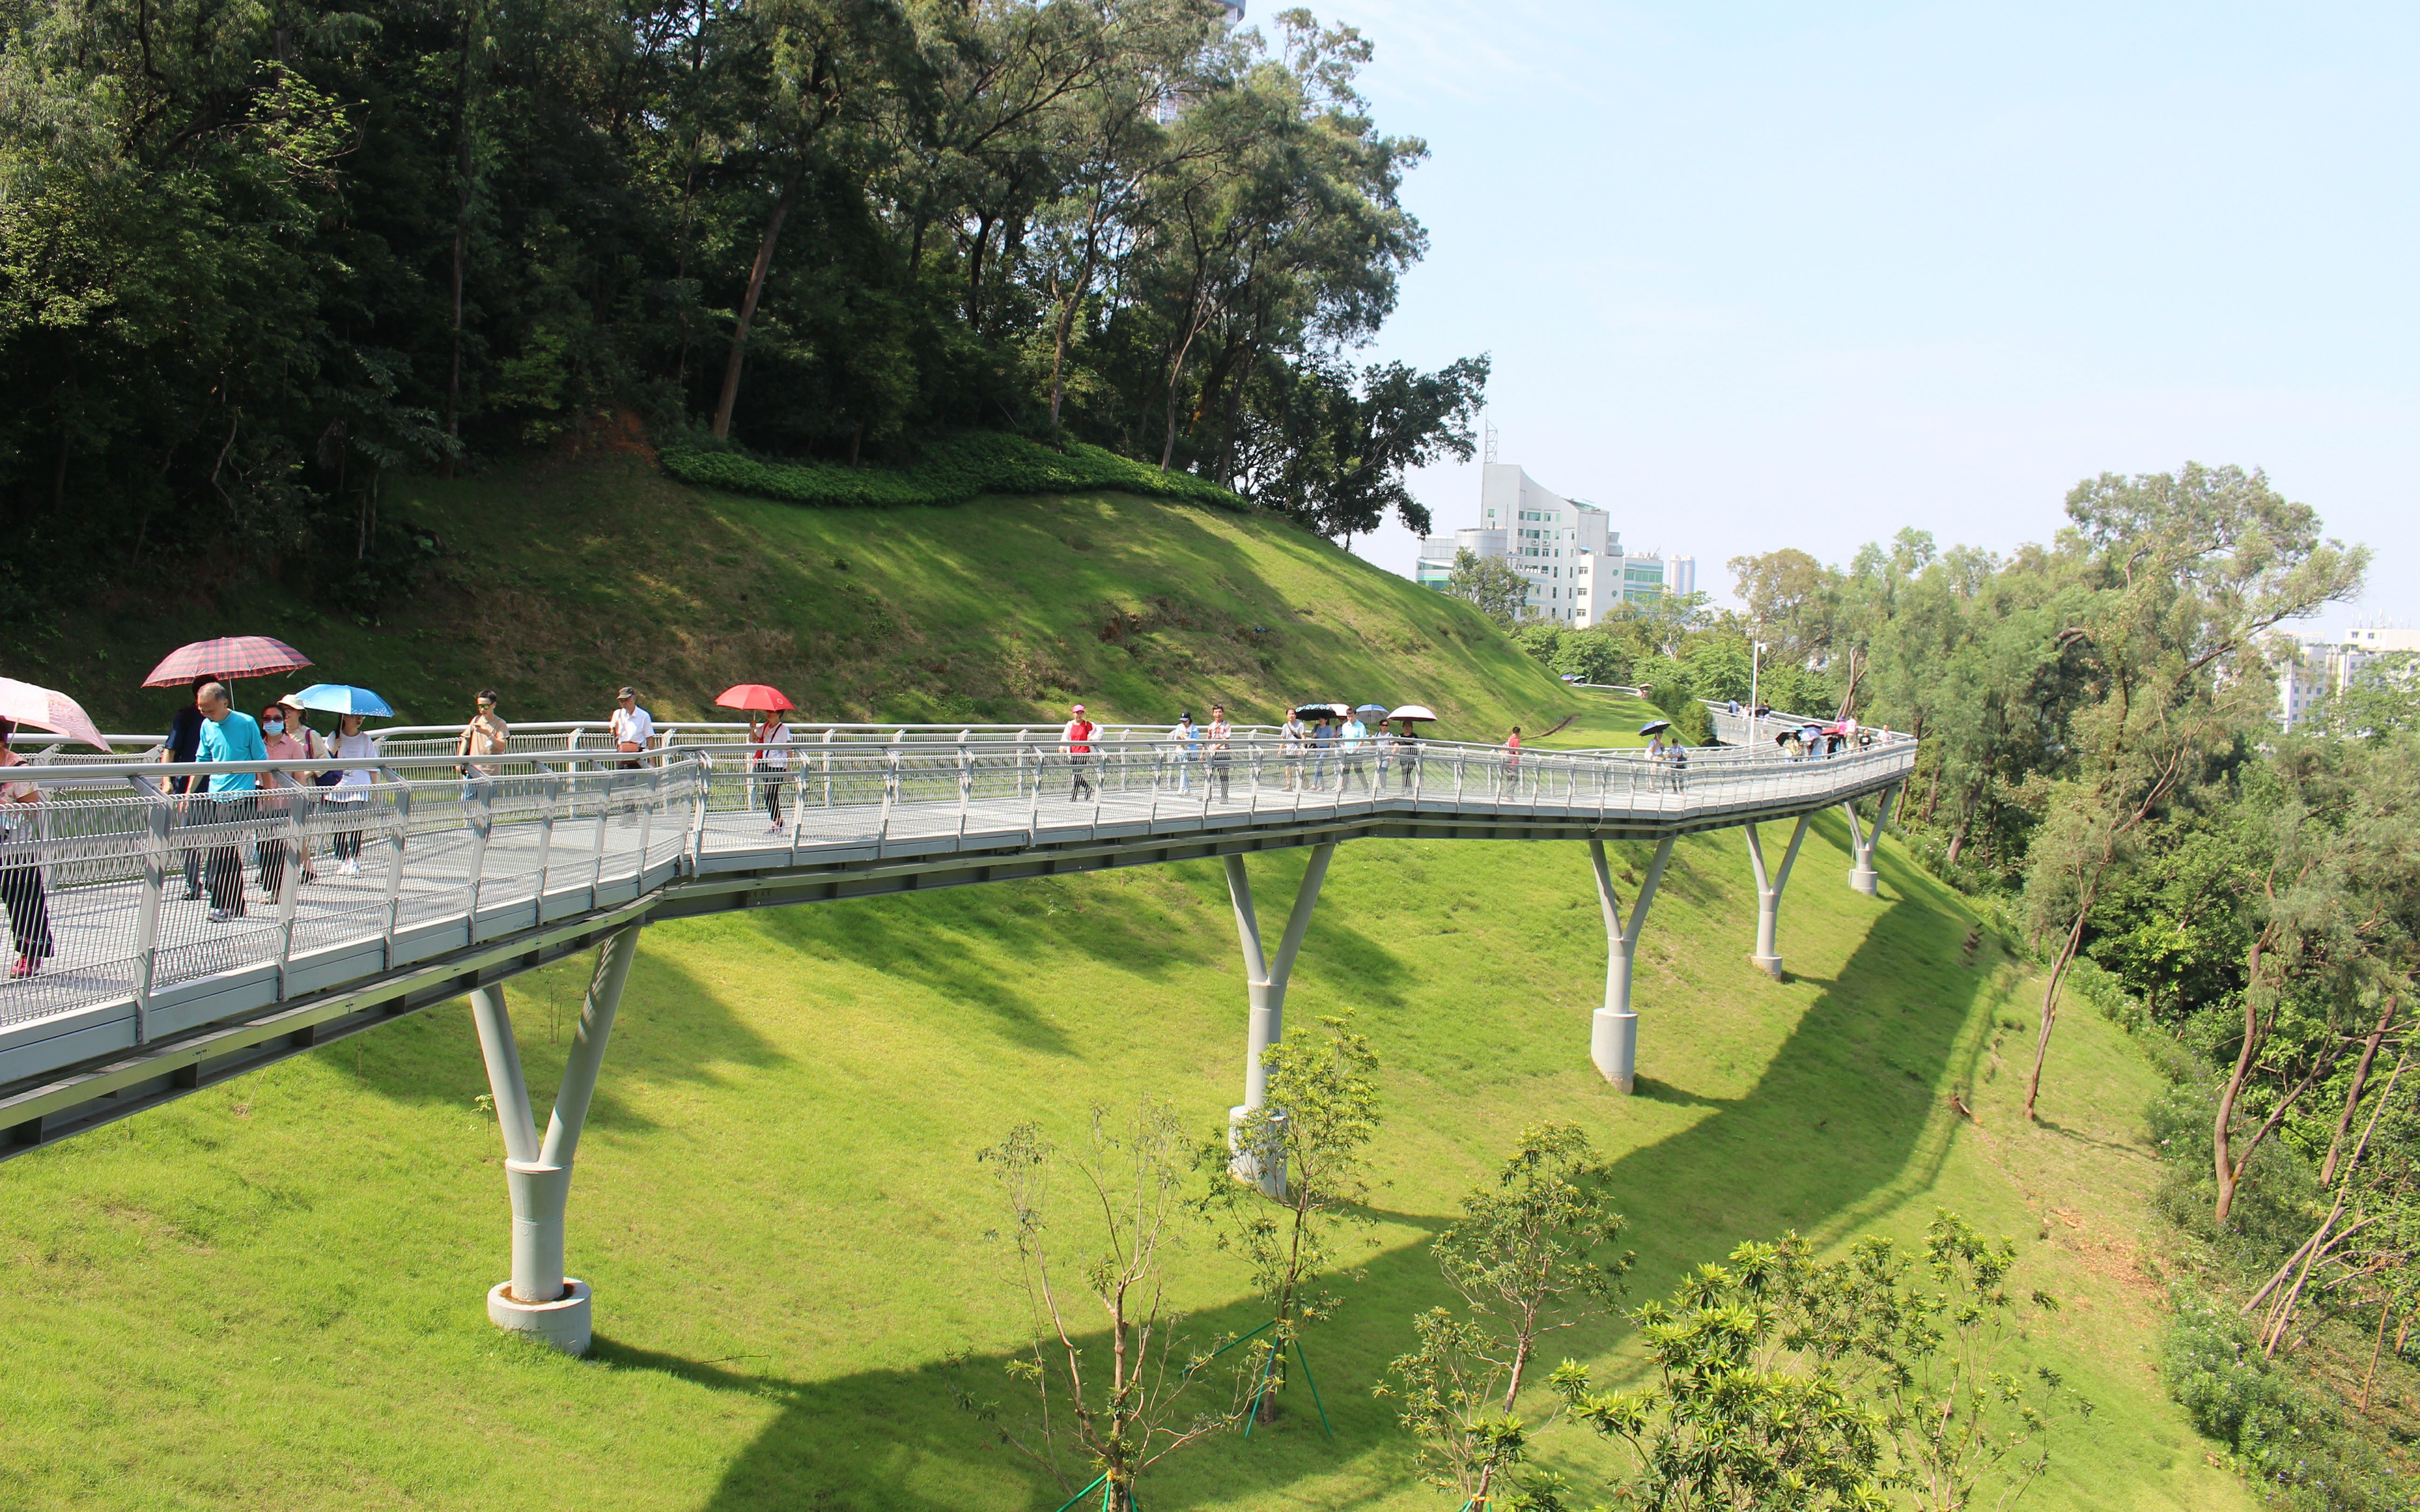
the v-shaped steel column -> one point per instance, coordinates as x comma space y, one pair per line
539, 1299
1862, 876
1613, 1034
1768, 896
1264, 985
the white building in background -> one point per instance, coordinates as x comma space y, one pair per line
1566, 548
2313, 667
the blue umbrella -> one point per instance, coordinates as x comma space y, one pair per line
341, 698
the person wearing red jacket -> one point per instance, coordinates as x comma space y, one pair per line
1076, 744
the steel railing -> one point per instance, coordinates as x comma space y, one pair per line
329, 884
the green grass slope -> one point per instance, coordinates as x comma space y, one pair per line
268, 1294
560, 581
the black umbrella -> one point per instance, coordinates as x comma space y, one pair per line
1653, 725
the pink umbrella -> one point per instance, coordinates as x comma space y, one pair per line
235, 655
24, 703
753, 696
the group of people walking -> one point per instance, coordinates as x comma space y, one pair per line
215, 813
1358, 757
212, 729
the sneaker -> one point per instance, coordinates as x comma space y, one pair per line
220, 916
775, 829
25, 966
350, 869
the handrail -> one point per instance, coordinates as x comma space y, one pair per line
337, 886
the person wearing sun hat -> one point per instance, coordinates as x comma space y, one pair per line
1076, 744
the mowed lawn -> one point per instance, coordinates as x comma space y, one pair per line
270, 1294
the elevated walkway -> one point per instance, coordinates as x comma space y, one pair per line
425, 884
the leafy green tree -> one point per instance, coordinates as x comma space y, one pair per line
1488, 584
1869, 1382
1322, 1113
1339, 442
2187, 572
1791, 600
1121, 1404
1528, 1257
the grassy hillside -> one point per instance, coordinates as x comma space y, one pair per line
560, 581
270, 1294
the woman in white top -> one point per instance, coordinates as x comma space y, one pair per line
770, 759
352, 786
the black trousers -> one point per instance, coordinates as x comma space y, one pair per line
29, 912
223, 867
1079, 786
769, 778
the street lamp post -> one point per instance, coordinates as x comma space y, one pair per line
1755, 659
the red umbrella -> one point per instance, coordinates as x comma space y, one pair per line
24, 703
235, 655
752, 696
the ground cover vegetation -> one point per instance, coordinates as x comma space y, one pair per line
259, 262
2103, 768
269, 1293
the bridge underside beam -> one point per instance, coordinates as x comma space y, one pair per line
114, 1087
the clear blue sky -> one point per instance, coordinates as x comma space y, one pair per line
1764, 275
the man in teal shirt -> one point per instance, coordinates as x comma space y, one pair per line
229, 734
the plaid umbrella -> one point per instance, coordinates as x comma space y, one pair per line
24, 703
235, 655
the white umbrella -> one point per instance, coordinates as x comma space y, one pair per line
24, 703
1414, 711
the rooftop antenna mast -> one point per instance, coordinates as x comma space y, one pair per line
1487, 431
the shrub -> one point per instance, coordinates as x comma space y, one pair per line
2296, 1450
950, 471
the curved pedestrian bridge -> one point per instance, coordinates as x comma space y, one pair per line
362, 903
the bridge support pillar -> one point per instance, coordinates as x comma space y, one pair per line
539, 1300
1768, 896
1862, 876
1613, 1035
1264, 985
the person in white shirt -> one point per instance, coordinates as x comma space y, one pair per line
1186, 739
632, 726
1295, 734
770, 759
352, 787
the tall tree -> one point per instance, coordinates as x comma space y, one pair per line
2186, 572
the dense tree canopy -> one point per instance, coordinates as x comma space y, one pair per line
256, 255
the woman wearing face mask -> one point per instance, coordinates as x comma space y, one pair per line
282, 734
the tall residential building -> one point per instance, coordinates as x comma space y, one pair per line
1566, 548
2312, 667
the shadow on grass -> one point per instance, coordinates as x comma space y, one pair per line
1845, 1124
671, 1027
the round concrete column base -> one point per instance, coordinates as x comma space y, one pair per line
1613, 1044
1769, 964
563, 1322
1866, 880
1264, 1168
